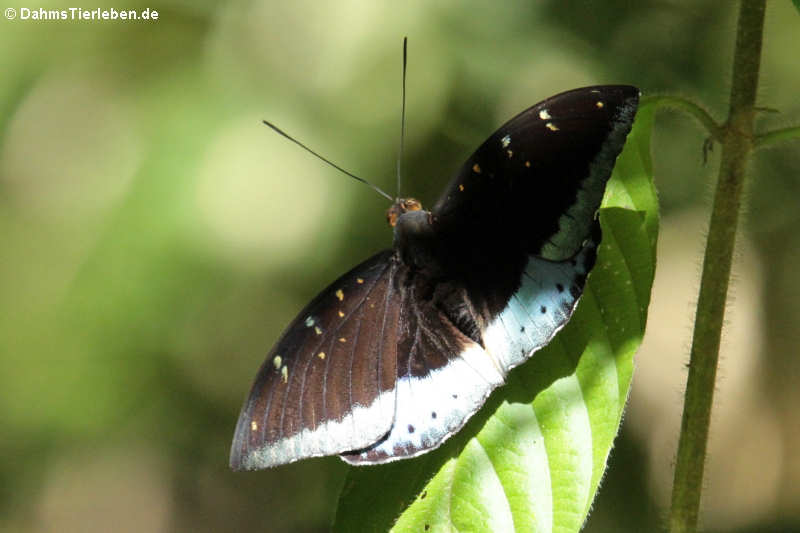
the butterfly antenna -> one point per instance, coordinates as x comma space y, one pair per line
331, 163
402, 120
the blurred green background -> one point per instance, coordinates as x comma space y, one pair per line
156, 238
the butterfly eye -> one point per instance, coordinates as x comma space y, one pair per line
392, 214
410, 204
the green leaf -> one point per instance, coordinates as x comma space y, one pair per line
532, 458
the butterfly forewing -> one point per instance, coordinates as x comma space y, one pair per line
536, 183
327, 386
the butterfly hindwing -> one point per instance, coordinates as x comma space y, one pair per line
444, 376
328, 385
547, 296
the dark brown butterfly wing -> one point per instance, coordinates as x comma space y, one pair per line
328, 385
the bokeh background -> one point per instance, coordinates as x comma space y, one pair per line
156, 238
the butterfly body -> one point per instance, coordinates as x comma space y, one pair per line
396, 355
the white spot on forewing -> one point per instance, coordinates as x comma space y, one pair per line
506, 141
469, 377
363, 426
544, 115
310, 321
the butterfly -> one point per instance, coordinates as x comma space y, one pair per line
396, 355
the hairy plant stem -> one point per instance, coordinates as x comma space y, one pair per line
737, 143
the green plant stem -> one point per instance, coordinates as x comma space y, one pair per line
784, 134
701, 115
737, 142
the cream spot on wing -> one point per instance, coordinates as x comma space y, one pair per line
510, 153
317, 330
544, 115
461, 187
359, 281
310, 321
552, 127
599, 105
285, 374
341, 314
340, 294
506, 141
253, 426
476, 168
528, 164
276, 361
321, 355
342, 339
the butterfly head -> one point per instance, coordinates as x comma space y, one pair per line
401, 206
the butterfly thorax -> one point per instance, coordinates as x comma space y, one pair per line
420, 249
